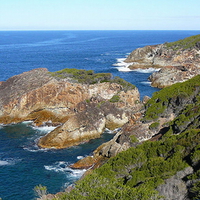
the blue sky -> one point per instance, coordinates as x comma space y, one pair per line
99, 15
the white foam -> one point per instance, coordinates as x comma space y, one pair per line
35, 148
63, 167
9, 161
27, 122
122, 66
80, 157
146, 83
46, 129
3, 162
112, 131
149, 70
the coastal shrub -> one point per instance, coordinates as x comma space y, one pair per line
126, 85
89, 77
82, 76
189, 42
40, 190
154, 126
195, 191
133, 139
115, 99
137, 172
171, 97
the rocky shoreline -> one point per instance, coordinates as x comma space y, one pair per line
83, 104
178, 61
80, 110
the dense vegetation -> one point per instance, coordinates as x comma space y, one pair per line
89, 77
172, 98
137, 172
189, 42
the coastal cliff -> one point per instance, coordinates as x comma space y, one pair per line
178, 61
81, 103
166, 166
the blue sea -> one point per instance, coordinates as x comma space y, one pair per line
22, 164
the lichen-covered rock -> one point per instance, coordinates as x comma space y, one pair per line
175, 188
170, 75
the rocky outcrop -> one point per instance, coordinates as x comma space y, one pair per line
173, 74
179, 61
82, 110
175, 187
153, 121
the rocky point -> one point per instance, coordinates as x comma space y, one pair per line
82, 104
178, 61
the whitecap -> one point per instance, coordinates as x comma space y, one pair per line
112, 131
46, 129
80, 157
9, 161
63, 167
35, 148
149, 70
27, 122
4, 162
122, 66
146, 83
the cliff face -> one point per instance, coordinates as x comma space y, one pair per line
179, 61
82, 110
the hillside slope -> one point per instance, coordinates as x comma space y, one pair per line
168, 168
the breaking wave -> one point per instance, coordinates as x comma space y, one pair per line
149, 70
63, 167
121, 65
9, 161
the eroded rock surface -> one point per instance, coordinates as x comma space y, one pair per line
178, 61
81, 110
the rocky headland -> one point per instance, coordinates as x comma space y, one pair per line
82, 104
155, 151
155, 155
178, 61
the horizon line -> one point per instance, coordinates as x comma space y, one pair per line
100, 30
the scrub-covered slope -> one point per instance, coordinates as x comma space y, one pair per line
168, 168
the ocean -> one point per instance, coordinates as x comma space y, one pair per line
22, 164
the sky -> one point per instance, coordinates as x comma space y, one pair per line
99, 15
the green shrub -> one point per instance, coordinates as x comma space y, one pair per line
115, 99
154, 126
40, 190
186, 43
171, 97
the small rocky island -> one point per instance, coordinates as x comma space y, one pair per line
178, 61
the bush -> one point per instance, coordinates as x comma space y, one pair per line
115, 99
40, 190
